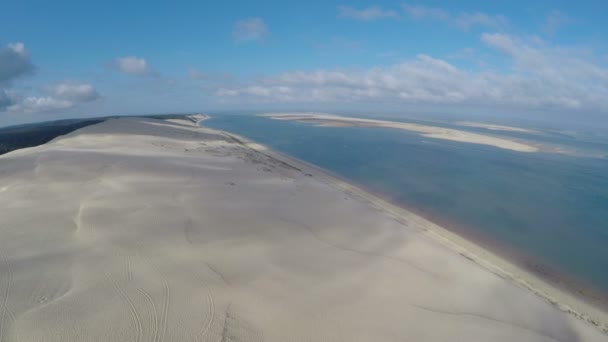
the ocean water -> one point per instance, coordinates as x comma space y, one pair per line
546, 211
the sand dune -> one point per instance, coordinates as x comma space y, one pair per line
435, 132
144, 230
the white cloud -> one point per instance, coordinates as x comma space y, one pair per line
542, 77
224, 92
14, 62
366, 14
468, 20
463, 20
33, 104
74, 92
421, 12
250, 29
551, 64
60, 96
131, 65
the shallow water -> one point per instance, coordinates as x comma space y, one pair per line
550, 208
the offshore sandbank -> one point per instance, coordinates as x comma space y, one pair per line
429, 131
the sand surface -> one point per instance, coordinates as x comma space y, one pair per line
144, 230
494, 127
435, 132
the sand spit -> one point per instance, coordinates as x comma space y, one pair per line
494, 127
426, 130
147, 230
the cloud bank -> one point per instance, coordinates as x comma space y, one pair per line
15, 62
541, 77
59, 96
38, 104
74, 92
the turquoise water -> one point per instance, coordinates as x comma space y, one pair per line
546, 210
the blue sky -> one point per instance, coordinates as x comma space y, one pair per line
75, 58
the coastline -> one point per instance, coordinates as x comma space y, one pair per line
546, 273
561, 296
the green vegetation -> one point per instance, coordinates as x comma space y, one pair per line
29, 135
16, 137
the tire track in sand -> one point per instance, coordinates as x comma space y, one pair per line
211, 309
165, 312
135, 317
128, 268
154, 318
211, 313
160, 321
203, 333
6, 295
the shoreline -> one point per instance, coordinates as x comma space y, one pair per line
545, 272
561, 296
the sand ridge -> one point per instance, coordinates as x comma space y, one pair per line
147, 230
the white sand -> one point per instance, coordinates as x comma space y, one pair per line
494, 127
143, 230
435, 132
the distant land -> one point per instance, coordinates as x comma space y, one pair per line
34, 134
29, 135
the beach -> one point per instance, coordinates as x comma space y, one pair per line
148, 230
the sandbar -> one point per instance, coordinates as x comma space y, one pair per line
429, 131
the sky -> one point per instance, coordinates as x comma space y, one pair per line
63, 59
